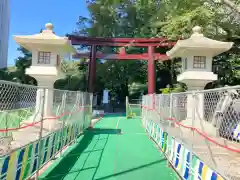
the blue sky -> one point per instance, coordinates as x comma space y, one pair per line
29, 16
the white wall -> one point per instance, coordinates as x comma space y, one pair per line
4, 31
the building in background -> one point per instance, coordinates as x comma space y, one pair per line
4, 31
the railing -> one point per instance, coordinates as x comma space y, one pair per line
199, 131
133, 108
29, 139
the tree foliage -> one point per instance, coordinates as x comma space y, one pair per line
173, 19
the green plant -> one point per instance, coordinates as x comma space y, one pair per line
175, 89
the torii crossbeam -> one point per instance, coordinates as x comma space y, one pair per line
151, 56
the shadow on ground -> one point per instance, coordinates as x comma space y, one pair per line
131, 170
68, 161
69, 168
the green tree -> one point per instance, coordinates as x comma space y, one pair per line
75, 76
151, 18
120, 19
22, 63
176, 18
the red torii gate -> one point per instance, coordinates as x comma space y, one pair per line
151, 56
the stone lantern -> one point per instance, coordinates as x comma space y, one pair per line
46, 48
197, 53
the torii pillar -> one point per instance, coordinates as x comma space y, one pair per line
151, 70
92, 69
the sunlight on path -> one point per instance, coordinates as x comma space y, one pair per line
116, 149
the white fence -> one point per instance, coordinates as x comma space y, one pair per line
32, 138
206, 122
23, 108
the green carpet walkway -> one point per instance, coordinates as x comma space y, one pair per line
116, 149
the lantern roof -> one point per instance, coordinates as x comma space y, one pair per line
198, 43
47, 39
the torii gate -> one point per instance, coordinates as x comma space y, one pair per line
151, 56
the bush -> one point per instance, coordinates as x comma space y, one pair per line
175, 89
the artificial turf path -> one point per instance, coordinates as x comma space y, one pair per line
116, 149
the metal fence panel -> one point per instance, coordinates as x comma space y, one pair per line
205, 124
28, 136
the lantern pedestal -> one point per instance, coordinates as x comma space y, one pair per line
197, 53
46, 48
